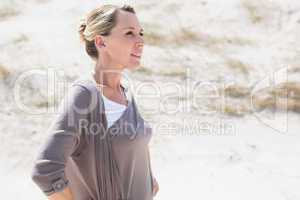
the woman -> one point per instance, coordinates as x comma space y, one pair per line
91, 152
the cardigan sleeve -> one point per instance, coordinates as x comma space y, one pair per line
63, 139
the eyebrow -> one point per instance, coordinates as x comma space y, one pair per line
130, 27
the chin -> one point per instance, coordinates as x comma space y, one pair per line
133, 66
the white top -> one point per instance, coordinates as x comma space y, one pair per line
113, 110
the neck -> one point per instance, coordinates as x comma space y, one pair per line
108, 75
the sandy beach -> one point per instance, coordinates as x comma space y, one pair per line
226, 118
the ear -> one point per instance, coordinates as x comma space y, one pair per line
99, 41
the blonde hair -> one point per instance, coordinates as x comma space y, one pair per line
99, 21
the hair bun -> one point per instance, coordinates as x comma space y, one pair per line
82, 27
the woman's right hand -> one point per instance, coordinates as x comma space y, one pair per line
66, 194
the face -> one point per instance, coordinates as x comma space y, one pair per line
123, 47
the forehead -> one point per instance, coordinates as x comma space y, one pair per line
126, 19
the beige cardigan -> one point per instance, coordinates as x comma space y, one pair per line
95, 162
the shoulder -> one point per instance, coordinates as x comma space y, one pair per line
81, 95
86, 84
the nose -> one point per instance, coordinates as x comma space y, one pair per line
139, 45
140, 41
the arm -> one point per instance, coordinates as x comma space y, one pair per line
155, 186
64, 137
154, 181
66, 194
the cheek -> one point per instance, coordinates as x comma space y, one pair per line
121, 50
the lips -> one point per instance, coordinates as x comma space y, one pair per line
136, 55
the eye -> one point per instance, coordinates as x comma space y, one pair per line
141, 34
129, 33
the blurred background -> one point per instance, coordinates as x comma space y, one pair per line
226, 121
